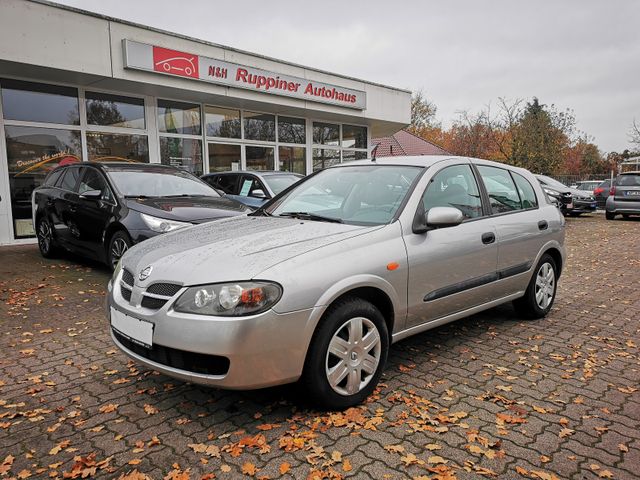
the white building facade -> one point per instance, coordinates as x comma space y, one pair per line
77, 86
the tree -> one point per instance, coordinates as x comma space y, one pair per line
423, 114
635, 133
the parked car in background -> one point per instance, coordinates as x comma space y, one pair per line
99, 210
624, 196
587, 185
573, 202
253, 188
601, 193
317, 289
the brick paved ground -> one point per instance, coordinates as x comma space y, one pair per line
487, 396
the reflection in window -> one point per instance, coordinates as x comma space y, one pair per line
178, 117
259, 126
292, 159
291, 130
500, 188
260, 158
354, 137
223, 157
31, 154
324, 157
184, 153
37, 102
222, 122
326, 133
456, 187
527, 194
114, 110
117, 147
348, 155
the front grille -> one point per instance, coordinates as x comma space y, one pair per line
125, 292
153, 303
127, 277
164, 289
180, 359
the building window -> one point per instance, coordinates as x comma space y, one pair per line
259, 126
37, 102
32, 153
179, 117
292, 130
260, 158
292, 159
348, 155
224, 157
354, 137
326, 134
222, 122
110, 146
109, 110
184, 153
325, 157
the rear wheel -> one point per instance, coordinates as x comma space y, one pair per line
118, 244
541, 292
609, 215
346, 355
625, 216
46, 242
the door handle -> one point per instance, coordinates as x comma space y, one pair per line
543, 225
488, 238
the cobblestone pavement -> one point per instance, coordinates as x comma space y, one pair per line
487, 396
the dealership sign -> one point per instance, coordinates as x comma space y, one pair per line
141, 56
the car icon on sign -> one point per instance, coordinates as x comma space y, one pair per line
178, 64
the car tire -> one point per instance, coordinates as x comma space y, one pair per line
625, 216
541, 291
339, 370
118, 244
609, 215
46, 242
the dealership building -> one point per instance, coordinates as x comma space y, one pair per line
77, 86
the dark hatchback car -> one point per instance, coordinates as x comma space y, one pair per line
253, 188
99, 210
572, 201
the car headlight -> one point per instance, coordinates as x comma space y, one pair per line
162, 225
229, 299
551, 193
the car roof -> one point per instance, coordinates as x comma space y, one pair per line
635, 172
257, 173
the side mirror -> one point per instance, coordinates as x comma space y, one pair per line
91, 195
258, 194
437, 217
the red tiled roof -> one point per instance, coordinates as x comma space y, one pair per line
405, 143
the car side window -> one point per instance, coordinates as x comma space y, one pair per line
456, 187
53, 178
503, 194
249, 185
526, 191
93, 180
69, 179
227, 183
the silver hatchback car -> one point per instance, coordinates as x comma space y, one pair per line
317, 284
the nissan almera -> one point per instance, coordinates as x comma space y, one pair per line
317, 284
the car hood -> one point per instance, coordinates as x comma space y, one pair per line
580, 193
194, 209
232, 249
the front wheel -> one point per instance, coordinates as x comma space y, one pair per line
347, 354
541, 292
609, 215
118, 244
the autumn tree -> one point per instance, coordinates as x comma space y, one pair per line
634, 134
423, 114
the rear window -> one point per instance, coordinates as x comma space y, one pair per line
628, 181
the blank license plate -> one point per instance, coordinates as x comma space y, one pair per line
138, 331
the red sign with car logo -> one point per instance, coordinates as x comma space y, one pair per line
174, 62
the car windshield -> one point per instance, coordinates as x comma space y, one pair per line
551, 182
629, 181
162, 182
357, 195
278, 183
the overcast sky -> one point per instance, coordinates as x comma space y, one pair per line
464, 54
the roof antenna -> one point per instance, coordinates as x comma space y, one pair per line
373, 152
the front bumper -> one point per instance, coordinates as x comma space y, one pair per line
584, 205
261, 350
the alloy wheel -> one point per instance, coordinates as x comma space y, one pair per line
353, 356
118, 247
545, 285
44, 236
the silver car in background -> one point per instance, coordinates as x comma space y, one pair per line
317, 284
624, 196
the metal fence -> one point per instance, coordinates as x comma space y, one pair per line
573, 179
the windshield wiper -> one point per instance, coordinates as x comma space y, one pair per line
310, 216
